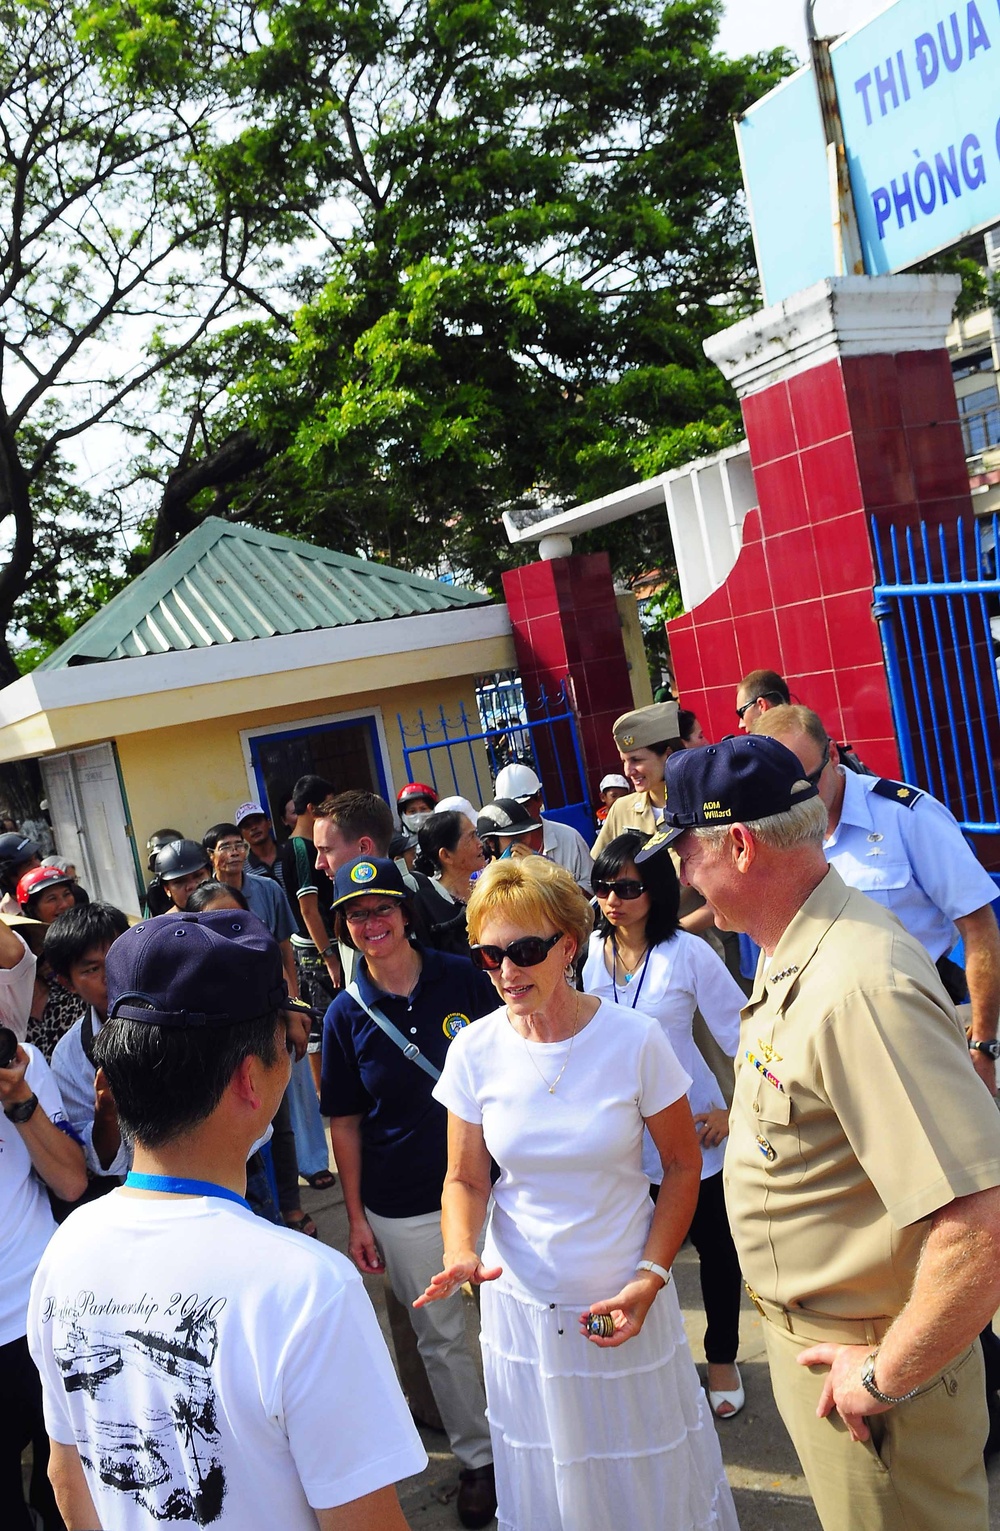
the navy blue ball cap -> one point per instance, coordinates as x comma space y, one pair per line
747, 776
216, 968
368, 874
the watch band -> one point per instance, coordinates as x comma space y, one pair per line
991, 1049
870, 1386
22, 1112
658, 1270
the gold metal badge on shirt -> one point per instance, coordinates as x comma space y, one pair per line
766, 1149
767, 1052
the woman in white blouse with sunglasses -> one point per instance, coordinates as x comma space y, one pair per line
595, 1411
639, 957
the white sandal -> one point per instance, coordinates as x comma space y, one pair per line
736, 1399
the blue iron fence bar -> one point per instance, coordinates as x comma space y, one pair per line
505, 731
937, 638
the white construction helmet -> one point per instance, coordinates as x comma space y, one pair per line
519, 782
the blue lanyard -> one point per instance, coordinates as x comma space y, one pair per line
638, 988
179, 1186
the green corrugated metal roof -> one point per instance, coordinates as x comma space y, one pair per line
224, 583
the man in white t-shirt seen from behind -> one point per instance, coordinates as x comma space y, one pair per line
198, 1363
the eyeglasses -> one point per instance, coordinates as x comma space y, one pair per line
812, 777
230, 847
765, 696
626, 889
528, 952
361, 916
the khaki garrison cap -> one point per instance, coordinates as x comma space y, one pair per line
647, 725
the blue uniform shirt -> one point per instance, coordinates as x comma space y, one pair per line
404, 1148
912, 860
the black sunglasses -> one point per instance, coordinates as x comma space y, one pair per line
812, 777
626, 888
526, 953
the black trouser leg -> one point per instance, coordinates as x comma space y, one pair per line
286, 1165
719, 1270
21, 1421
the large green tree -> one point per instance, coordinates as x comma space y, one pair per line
367, 272
124, 243
534, 219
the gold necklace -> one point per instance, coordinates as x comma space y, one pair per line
569, 1053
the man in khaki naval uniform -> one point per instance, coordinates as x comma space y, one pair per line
863, 1162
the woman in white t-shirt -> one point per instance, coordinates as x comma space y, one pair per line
590, 1427
640, 957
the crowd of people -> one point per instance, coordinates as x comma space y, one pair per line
543, 1065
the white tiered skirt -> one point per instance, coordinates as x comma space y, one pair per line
586, 1438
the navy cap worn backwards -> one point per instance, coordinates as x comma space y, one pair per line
216, 968
368, 874
747, 776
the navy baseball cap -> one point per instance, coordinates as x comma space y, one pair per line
216, 968
747, 776
368, 874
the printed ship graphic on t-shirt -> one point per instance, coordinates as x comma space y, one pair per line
168, 1458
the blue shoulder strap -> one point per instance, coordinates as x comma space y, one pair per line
408, 1049
898, 792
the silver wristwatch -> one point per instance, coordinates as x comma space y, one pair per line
991, 1049
870, 1386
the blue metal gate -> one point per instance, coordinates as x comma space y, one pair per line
441, 749
937, 602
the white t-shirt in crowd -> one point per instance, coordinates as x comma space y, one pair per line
571, 1209
17, 986
212, 1368
682, 975
26, 1221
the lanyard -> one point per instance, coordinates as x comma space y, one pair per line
638, 988
180, 1186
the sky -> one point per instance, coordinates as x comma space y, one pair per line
751, 26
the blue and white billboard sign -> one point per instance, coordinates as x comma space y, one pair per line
919, 94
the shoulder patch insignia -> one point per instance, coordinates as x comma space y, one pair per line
898, 792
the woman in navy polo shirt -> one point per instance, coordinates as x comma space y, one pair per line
390, 1136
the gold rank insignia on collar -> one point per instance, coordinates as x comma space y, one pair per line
768, 1053
785, 973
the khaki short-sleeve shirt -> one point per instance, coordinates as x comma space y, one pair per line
857, 1112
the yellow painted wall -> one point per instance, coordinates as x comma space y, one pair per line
194, 775
74, 727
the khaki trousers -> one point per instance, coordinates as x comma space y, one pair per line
922, 1469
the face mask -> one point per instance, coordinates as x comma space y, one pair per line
414, 820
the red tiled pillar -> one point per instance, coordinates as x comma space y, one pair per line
566, 628
850, 414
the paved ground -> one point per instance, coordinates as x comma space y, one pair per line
768, 1487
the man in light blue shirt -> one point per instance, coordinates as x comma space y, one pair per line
904, 849
76, 945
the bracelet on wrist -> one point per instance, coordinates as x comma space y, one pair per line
657, 1270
